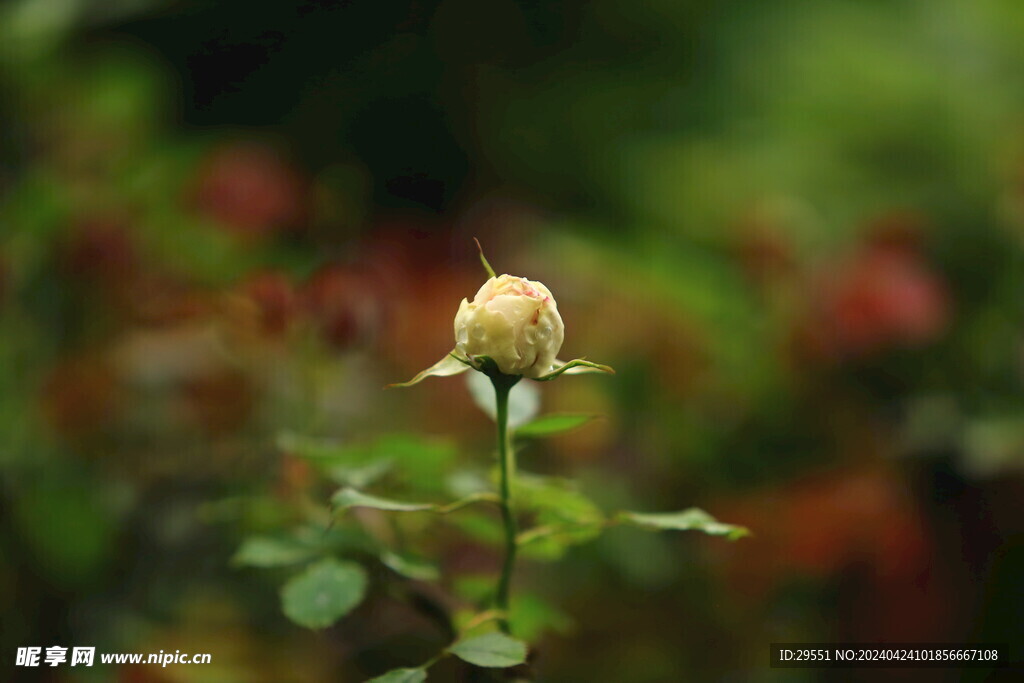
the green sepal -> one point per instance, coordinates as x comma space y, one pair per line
448, 366
578, 366
483, 259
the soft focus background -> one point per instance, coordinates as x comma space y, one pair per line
796, 229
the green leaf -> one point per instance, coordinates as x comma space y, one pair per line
349, 497
474, 587
578, 366
420, 463
493, 650
267, 551
484, 528
334, 539
409, 567
67, 526
249, 512
360, 476
551, 425
316, 450
446, 367
692, 519
466, 482
323, 593
523, 399
564, 515
414, 460
401, 676
531, 617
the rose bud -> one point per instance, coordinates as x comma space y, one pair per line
515, 322
511, 330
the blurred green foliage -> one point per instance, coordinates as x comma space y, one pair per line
795, 228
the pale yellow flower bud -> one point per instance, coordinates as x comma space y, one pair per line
515, 322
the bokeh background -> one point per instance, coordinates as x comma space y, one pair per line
796, 229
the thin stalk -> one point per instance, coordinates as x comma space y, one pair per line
508, 467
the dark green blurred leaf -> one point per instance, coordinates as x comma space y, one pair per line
416, 462
319, 451
531, 617
334, 539
401, 676
409, 567
481, 526
252, 512
645, 560
564, 516
993, 444
323, 593
70, 532
301, 544
467, 482
493, 650
420, 462
361, 476
266, 551
474, 587
691, 519
552, 425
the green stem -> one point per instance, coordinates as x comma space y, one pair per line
502, 386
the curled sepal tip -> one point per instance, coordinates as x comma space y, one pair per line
578, 366
483, 259
448, 366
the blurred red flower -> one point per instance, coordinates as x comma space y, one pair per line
80, 397
220, 402
274, 298
884, 295
850, 522
101, 250
345, 305
250, 190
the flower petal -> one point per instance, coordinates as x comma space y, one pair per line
448, 366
